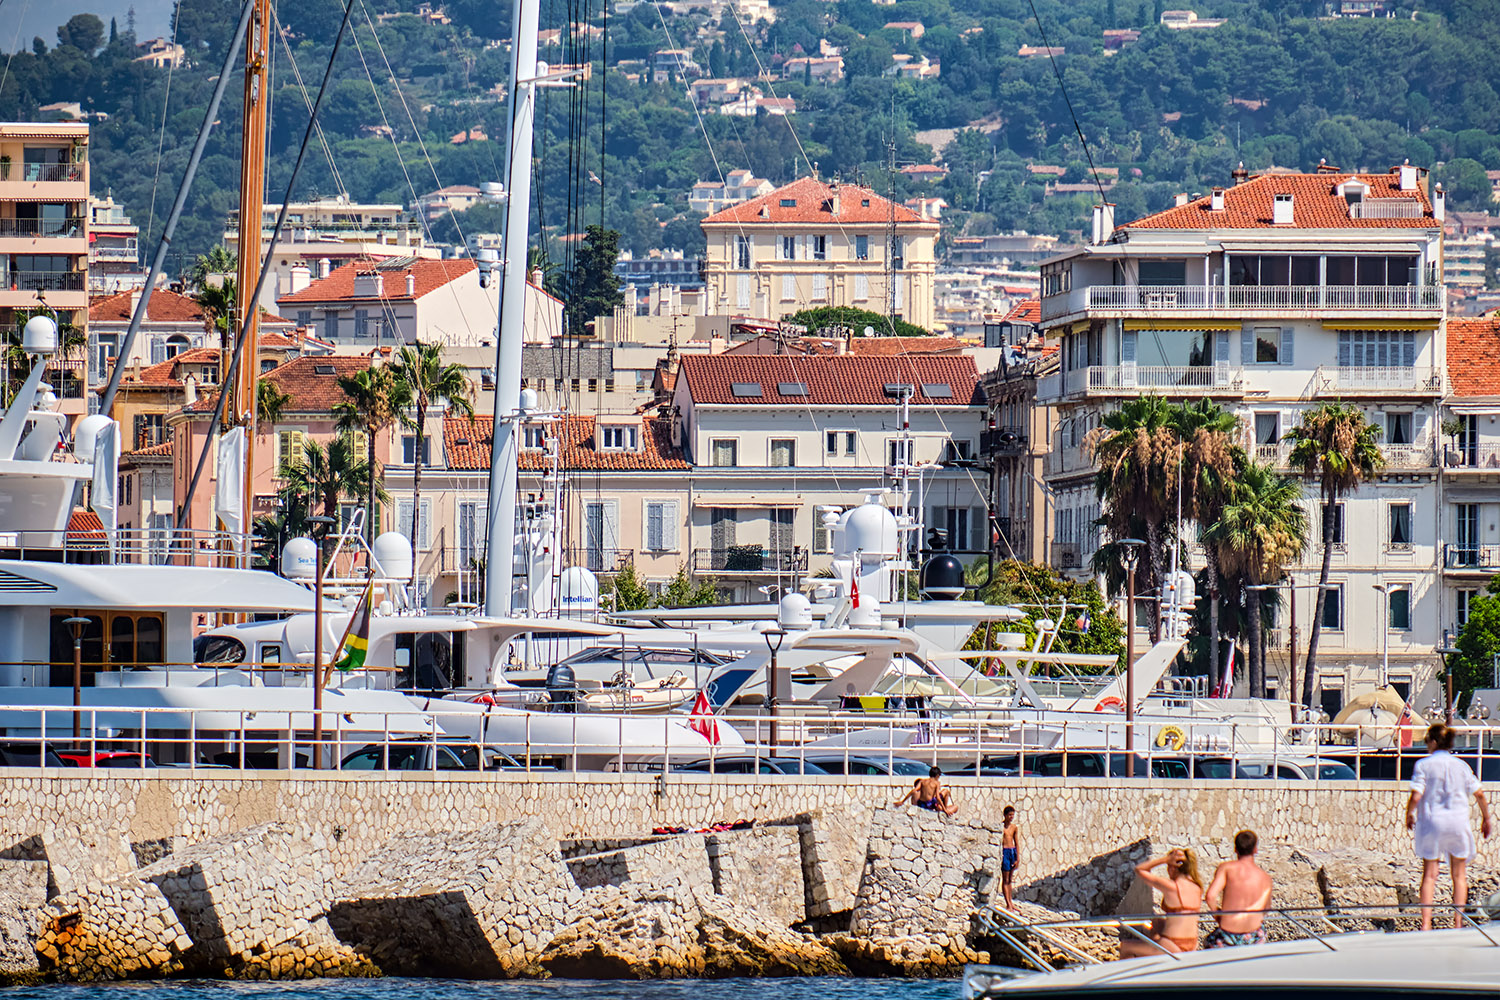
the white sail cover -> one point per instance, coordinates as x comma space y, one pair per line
103, 494
229, 496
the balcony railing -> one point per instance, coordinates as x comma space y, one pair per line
1066, 555
751, 559
45, 281
1275, 455
1003, 441
596, 559
42, 227
1483, 558
114, 253
1409, 456
1243, 298
1474, 456
1382, 379
43, 172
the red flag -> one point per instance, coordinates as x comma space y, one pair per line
703, 722
1226, 685
855, 591
1403, 726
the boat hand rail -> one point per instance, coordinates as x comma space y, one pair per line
1007, 924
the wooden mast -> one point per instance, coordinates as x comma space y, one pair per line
252, 199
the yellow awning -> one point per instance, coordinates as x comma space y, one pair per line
1181, 324
1380, 324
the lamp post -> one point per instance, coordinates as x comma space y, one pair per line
318, 526
1447, 651
77, 626
774, 638
1130, 555
1385, 635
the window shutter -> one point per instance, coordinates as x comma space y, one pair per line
742, 291
652, 535
802, 253
1247, 346
1408, 350
1221, 348
1286, 344
1345, 346
669, 525
788, 287
158, 351
1127, 347
861, 287
978, 529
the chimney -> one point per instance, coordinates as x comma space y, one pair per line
301, 276
537, 276
1216, 202
1104, 222
1439, 203
325, 267
1281, 210
368, 285
189, 390
1408, 174
1179, 199
411, 285
1239, 174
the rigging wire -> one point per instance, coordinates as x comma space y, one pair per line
333, 168
161, 138
1066, 99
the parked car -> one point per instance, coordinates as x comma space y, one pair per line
1285, 768
1171, 767
104, 758
418, 755
29, 755
872, 764
1078, 763
746, 764
987, 771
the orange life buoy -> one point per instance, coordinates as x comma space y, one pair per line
1111, 703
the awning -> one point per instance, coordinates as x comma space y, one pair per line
742, 500
1323, 247
1181, 324
1380, 324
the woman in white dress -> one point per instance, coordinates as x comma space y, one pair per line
1437, 812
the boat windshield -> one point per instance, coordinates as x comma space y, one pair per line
218, 649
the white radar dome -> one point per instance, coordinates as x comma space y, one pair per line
578, 591
39, 335
392, 553
795, 611
299, 559
86, 435
871, 530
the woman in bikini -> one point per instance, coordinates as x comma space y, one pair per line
1181, 899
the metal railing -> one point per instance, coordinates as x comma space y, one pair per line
43, 172
1475, 557
72, 226
1323, 925
748, 559
1221, 297
46, 281
1474, 456
1379, 378
579, 741
596, 559
1168, 379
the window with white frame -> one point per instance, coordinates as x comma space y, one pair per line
820, 287
1398, 607
742, 252
1333, 608
534, 438
409, 449
403, 521
820, 248
1398, 428
1463, 598
861, 248
1267, 345
839, 442
617, 438
783, 453
659, 526
1337, 537
898, 451
1398, 532
725, 452
789, 248
957, 451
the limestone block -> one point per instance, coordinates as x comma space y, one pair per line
833, 857
78, 855
123, 929
761, 869
23, 891
446, 902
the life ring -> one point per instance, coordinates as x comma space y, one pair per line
1171, 736
1111, 704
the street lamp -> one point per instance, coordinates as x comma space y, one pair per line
77, 625
774, 637
1130, 555
1447, 651
1385, 635
317, 527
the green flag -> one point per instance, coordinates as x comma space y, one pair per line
357, 639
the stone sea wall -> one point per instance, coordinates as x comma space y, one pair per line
115, 875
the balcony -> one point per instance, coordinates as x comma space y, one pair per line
1066, 555
130, 254
1409, 456
748, 560
46, 281
70, 227
1474, 457
598, 560
1171, 301
44, 172
1003, 441
1472, 558
1382, 380
1131, 380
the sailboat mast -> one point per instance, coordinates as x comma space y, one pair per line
247, 272
505, 449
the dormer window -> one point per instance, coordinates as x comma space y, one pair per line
617, 438
534, 439
1354, 191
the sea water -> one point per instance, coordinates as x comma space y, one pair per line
548, 989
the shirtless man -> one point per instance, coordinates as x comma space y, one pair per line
1010, 852
929, 793
1239, 885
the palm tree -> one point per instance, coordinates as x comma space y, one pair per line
324, 477
270, 401
218, 260
374, 400
1334, 446
218, 303
1138, 451
1261, 530
1211, 460
426, 381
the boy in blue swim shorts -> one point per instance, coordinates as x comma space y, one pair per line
1010, 852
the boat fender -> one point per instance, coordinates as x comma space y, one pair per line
484, 699
1171, 736
1110, 704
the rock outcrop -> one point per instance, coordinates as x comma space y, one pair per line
23, 893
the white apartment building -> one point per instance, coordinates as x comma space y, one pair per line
1279, 292
1470, 505
114, 247
709, 197
44, 238
820, 243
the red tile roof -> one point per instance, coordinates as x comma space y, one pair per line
843, 380
164, 373
163, 450
1474, 356
811, 204
1025, 311
1315, 205
466, 442
166, 306
339, 286
311, 382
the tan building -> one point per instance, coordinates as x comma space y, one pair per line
44, 240
814, 243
